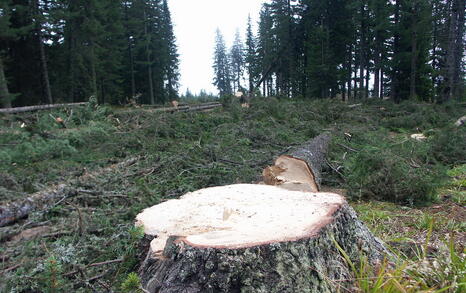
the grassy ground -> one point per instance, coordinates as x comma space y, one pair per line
410, 193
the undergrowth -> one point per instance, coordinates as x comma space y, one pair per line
372, 156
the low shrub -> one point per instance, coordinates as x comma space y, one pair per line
382, 174
449, 145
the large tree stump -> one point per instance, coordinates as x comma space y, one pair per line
252, 238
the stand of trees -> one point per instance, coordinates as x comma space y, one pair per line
401, 49
68, 50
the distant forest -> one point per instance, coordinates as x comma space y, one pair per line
69, 50
396, 49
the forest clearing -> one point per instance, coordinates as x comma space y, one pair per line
225, 146
111, 163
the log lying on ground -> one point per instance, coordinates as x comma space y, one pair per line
252, 238
189, 108
38, 108
301, 169
17, 210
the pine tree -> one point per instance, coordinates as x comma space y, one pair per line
251, 57
5, 32
170, 54
266, 50
411, 50
237, 62
221, 66
380, 9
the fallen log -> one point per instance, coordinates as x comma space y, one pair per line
17, 210
255, 237
196, 108
299, 170
38, 108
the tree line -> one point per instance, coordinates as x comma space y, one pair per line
69, 50
398, 49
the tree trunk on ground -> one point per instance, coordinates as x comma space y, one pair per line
301, 169
45, 199
18, 210
37, 108
255, 238
5, 97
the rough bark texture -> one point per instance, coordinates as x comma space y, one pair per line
37, 108
312, 153
17, 210
5, 97
307, 265
20, 209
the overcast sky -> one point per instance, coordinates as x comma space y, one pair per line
195, 24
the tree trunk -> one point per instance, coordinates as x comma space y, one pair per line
17, 210
5, 96
43, 59
377, 80
300, 169
382, 83
131, 58
412, 81
459, 52
349, 69
37, 108
450, 58
396, 44
149, 62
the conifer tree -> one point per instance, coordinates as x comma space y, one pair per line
5, 32
170, 54
237, 62
266, 50
221, 66
251, 56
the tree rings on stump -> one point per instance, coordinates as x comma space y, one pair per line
252, 238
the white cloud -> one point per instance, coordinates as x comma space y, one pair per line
195, 23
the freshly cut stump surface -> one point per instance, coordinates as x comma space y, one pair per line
251, 238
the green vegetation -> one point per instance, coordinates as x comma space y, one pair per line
372, 156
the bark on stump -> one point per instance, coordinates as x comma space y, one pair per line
252, 238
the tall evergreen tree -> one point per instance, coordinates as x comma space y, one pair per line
251, 57
171, 53
237, 62
266, 50
6, 32
221, 66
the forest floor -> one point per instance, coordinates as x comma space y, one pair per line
115, 162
